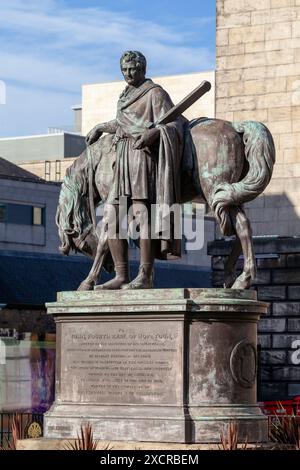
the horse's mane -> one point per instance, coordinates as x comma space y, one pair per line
73, 215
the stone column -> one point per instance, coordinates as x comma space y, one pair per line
161, 365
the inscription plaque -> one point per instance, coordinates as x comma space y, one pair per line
121, 363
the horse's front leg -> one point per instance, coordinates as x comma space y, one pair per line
92, 278
244, 233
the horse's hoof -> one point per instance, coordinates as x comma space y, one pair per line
116, 283
85, 285
242, 282
229, 280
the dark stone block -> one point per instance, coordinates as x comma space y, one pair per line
262, 277
265, 373
293, 260
284, 341
219, 247
272, 391
274, 325
264, 341
273, 263
286, 276
218, 263
271, 293
286, 308
286, 373
277, 245
294, 292
262, 245
273, 357
294, 324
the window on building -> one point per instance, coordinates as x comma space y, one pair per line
21, 214
37, 216
47, 170
57, 170
18, 214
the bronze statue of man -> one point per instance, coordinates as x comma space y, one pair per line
147, 169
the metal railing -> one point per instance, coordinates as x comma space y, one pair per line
30, 424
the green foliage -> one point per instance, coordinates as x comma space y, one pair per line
229, 438
285, 429
85, 441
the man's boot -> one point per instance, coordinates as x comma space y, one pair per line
119, 252
144, 279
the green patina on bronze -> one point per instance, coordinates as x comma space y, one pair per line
224, 164
231, 303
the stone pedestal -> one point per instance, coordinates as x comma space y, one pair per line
156, 365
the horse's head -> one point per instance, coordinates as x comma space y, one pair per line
73, 215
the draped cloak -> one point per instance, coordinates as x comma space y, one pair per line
165, 173
152, 174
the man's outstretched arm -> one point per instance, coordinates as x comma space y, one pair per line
109, 127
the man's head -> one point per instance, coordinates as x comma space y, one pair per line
133, 67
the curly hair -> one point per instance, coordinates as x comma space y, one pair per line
134, 56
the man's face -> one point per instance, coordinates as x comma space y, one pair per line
132, 74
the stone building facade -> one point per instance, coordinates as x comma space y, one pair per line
27, 211
258, 77
52, 146
50, 170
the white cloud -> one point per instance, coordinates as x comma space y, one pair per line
54, 48
46, 73
82, 25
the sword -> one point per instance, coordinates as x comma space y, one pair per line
170, 116
184, 104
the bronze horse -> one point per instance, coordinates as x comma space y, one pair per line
235, 163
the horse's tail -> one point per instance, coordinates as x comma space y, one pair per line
260, 155
72, 215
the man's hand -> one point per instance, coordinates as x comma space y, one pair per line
93, 135
146, 139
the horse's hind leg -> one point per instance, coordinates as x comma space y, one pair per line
243, 230
230, 264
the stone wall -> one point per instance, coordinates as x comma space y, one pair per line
278, 282
258, 77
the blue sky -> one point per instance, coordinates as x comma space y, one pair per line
49, 48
